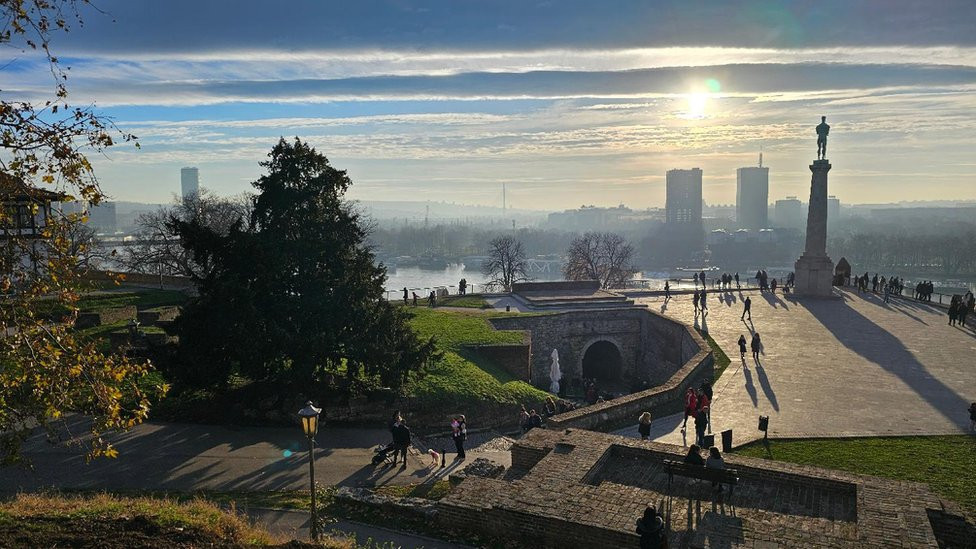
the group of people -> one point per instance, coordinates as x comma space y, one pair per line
960, 308
529, 419
924, 290
714, 460
769, 284
698, 406
431, 298
725, 281
699, 300
700, 277
402, 437
755, 345
462, 286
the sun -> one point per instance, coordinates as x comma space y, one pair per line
696, 105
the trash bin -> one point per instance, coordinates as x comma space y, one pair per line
709, 441
727, 441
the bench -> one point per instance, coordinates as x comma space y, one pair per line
682, 469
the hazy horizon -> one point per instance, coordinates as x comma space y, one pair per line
568, 103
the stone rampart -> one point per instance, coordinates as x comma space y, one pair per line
513, 358
105, 316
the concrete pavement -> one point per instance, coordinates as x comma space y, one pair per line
846, 366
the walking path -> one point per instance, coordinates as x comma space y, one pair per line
845, 366
186, 457
295, 524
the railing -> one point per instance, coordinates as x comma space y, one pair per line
422, 292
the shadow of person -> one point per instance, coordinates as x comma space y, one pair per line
875, 344
750, 386
766, 387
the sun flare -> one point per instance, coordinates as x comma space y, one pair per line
696, 105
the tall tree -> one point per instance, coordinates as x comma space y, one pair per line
604, 257
45, 370
506, 263
295, 296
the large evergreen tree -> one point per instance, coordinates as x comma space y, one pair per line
294, 295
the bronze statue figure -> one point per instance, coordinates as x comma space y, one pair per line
822, 130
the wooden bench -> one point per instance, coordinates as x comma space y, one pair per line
682, 469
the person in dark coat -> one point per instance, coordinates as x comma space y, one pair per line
650, 528
693, 457
644, 425
405, 295
756, 346
701, 423
953, 312
401, 440
459, 434
747, 304
742, 346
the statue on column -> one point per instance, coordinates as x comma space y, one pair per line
555, 373
822, 130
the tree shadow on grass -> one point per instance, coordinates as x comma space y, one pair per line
862, 336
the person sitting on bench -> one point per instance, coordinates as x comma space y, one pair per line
715, 461
694, 456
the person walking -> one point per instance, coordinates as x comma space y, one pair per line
701, 301
742, 346
695, 299
691, 405
963, 311
696, 281
667, 290
747, 308
405, 295
460, 434
887, 292
401, 441
756, 346
953, 312
644, 425
706, 391
701, 423
737, 286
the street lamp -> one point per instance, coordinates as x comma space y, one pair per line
310, 424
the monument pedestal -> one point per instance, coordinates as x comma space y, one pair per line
814, 271
813, 275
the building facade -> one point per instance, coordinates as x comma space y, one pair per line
684, 197
752, 198
788, 212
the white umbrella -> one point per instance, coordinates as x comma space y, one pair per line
555, 374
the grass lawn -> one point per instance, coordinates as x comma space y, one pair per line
945, 463
721, 359
142, 299
102, 520
462, 376
469, 301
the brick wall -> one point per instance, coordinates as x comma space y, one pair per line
563, 285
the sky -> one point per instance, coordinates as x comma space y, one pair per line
567, 102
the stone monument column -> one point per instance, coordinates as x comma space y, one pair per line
814, 270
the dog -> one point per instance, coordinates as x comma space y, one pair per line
435, 457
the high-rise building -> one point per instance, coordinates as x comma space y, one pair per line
833, 208
752, 197
788, 212
190, 181
684, 197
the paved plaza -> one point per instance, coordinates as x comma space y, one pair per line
844, 366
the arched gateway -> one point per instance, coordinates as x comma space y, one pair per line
602, 361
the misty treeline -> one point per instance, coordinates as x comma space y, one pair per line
455, 241
906, 252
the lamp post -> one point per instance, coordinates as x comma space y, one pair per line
310, 424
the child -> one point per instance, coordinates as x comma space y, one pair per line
434, 457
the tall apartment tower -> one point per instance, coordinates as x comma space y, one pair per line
684, 197
190, 182
752, 197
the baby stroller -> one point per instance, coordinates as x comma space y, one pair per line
384, 453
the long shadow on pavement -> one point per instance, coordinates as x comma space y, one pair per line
861, 335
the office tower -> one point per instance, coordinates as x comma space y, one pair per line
752, 198
190, 181
789, 212
833, 208
684, 197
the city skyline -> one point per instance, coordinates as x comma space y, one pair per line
435, 101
